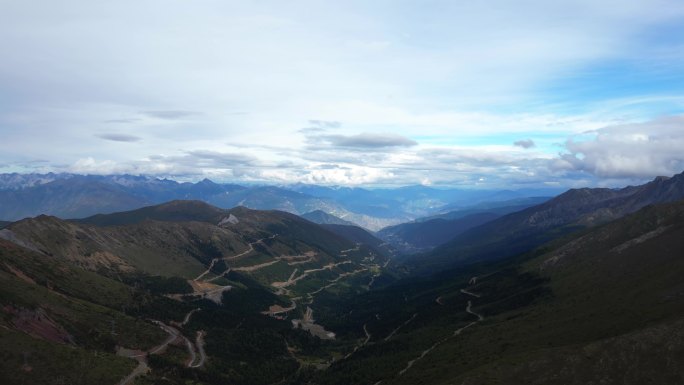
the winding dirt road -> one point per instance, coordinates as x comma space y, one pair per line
401, 326
174, 334
139, 370
343, 253
191, 351
215, 260
187, 316
464, 291
256, 267
292, 280
199, 342
368, 337
332, 283
443, 340
141, 356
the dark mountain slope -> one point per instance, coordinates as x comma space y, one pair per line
70, 293
605, 304
425, 235
159, 248
521, 231
241, 219
354, 233
53, 316
290, 226
149, 244
616, 311
500, 208
363, 237
174, 211
323, 218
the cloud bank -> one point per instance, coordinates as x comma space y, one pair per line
639, 150
354, 92
369, 140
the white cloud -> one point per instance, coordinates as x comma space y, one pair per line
367, 140
639, 150
92, 166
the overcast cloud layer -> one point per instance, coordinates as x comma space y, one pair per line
496, 94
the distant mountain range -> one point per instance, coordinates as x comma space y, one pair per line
78, 196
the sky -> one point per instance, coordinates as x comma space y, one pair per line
362, 93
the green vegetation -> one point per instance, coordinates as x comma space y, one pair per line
90, 324
253, 299
159, 285
610, 294
27, 360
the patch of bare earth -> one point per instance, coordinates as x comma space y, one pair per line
37, 323
20, 274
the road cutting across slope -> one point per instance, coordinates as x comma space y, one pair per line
443, 340
174, 334
250, 249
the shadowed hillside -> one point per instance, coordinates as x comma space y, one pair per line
521, 231
420, 236
323, 218
599, 304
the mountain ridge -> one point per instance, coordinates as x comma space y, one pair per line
79, 196
420, 236
575, 209
323, 218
